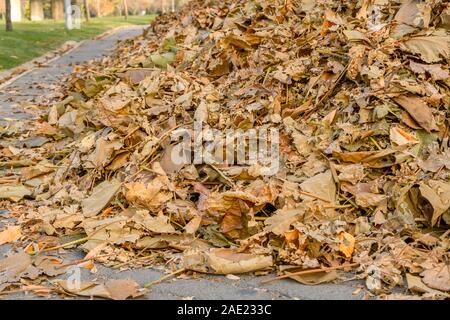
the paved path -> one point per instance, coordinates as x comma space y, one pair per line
248, 287
38, 84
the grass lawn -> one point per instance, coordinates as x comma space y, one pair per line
32, 39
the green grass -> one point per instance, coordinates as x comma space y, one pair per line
33, 39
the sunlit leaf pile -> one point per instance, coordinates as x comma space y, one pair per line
359, 93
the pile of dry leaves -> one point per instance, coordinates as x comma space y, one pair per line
359, 93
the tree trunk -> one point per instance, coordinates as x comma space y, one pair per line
86, 8
163, 6
16, 10
99, 11
173, 5
125, 9
36, 10
58, 9
68, 14
9, 26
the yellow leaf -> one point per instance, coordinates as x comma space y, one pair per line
347, 244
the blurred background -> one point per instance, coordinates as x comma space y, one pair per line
37, 10
31, 28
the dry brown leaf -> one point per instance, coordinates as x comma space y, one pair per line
322, 185
193, 225
346, 244
16, 266
119, 161
103, 151
121, 289
35, 171
225, 261
400, 137
437, 193
408, 14
351, 173
167, 163
432, 48
316, 278
367, 199
135, 76
14, 192
418, 110
11, 234
100, 197
112, 289
435, 70
151, 195
437, 278
370, 158
415, 284
50, 265
281, 220
159, 224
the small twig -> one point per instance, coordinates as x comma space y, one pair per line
261, 218
310, 271
66, 171
167, 276
120, 265
71, 243
350, 201
446, 233
227, 179
162, 137
344, 206
67, 244
84, 260
176, 223
375, 143
131, 132
330, 91
312, 195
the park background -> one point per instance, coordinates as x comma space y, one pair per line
38, 26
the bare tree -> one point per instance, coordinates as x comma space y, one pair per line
36, 10
68, 14
58, 9
9, 26
125, 9
86, 8
99, 11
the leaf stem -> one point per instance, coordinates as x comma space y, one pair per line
310, 271
167, 276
